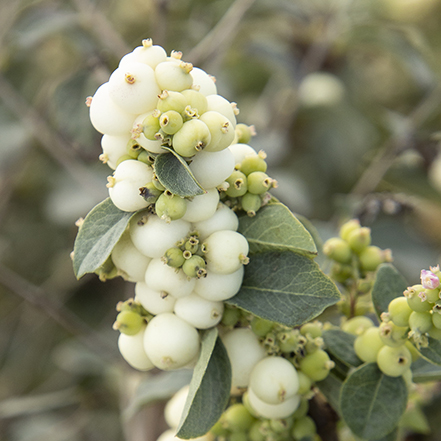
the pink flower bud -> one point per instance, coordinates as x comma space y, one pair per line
429, 280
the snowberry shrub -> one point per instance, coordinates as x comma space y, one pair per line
224, 277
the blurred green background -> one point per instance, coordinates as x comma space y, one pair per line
346, 99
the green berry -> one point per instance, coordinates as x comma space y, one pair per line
192, 244
420, 322
171, 122
394, 361
359, 239
431, 295
436, 320
259, 182
349, 227
368, 344
371, 257
414, 299
237, 184
290, 340
399, 311
244, 133
434, 333
305, 383
146, 157
303, 427
316, 365
122, 159
237, 418
151, 126
218, 430
174, 257
196, 103
230, 316
337, 249
193, 137
357, 325
150, 193
302, 410
239, 436
133, 148
254, 163
393, 335
312, 329
251, 203
255, 434
170, 207
195, 267
128, 322
171, 100
261, 326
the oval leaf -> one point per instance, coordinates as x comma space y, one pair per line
388, 285
423, 371
341, 345
371, 402
433, 352
286, 288
97, 236
175, 175
209, 388
275, 228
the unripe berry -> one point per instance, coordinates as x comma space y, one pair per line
359, 239
303, 408
221, 131
436, 320
244, 133
420, 322
219, 104
274, 380
226, 251
393, 335
251, 203
174, 76
155, 302
131, 348
348, 227
367, 345
357, 325
196, 102
171, 122
231, 316
431, 295
254, 163
219, 287
194, 267
290, 340
193, 137
170, 207
128, 322
170, 342
174, 257
434, 333
371, 257
303, 427
399, 311
305, 383
171, 100
337, 249
414, 299
238, 185
237, 418
259, 182
316, 365
261, 326
394, 361
314, 330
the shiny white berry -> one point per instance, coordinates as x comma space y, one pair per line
220, 104
241, 151
205, 82
172, 75
223, 219
113, 148
202, 207
155, 302
132, 350
148, 53
170, 342
175, 406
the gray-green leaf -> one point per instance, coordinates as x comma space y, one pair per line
341, 345
422, 371
371, 402
433, 352
388, 285
97, 236
209, 388
275, 228
175, 175
286, 288
330, 387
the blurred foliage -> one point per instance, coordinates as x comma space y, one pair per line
345, 96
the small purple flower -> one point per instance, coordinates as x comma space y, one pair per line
429, 280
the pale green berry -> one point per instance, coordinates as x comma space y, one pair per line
146, 157
303, 408
359, 239
151, 126
171, 75
371, 257
337, 249
171, 100
196, 102
254, 163
230, 316
221, 131
174, 257
244, 133
237, 418
314, 330
431, 295
195, 267
290, 340
394, 361
414, 299
436, 320
237, 184
367, 345
221, 105
150, 193
259, 182
251, 203
348, 227
399, 311
303, 427
393, 335
357, 325
420, 322
128, 322
193, 137
305, 383
171, 122
261, 326
435, 333
170, 207
316, 365
148, 53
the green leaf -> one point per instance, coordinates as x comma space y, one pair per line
330, 387
102, 228
340, 344
275, 228
286, 288
433, 352
175, 175
155, 388
422, 371
371, 402
209, 388
388, 285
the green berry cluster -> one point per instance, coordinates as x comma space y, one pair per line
188, 254
248, 185
131, 318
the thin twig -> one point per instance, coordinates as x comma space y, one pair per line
42, 300
50, 140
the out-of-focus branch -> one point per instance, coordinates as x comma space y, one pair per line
222, 34
95, 21
39, 298
49, 139
387, 154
